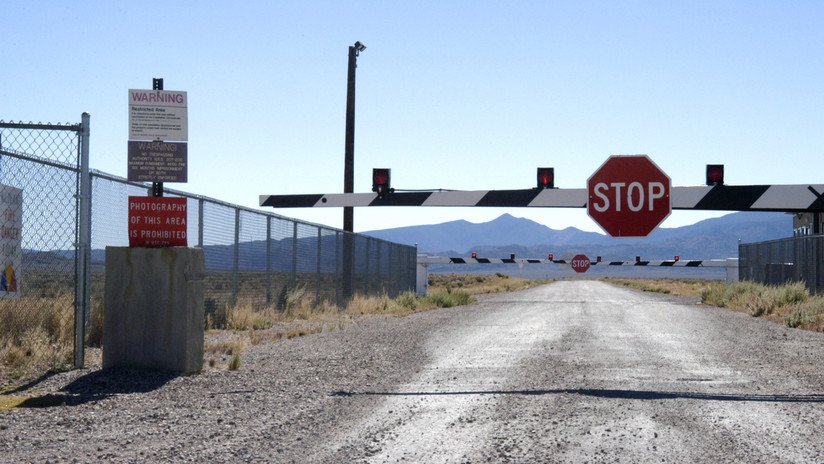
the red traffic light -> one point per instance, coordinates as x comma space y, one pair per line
715, 174
546, 178
474, 255
380, 181
549, 257
677, 258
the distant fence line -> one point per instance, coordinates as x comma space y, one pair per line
776, 262
71, 213
252, 256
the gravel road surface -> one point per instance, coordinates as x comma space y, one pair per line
574, 371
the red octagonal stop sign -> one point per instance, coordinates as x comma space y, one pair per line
628, 196
580, 263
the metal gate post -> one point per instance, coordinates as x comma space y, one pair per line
84, 231
338, 294
317, 270
294, 278
381, 282
236, 257
367, 277
268, 260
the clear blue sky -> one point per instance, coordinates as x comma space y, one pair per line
467, 95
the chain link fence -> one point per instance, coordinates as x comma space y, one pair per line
57, 218
40, 294
776, 262
257, 258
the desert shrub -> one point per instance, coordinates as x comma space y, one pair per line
245, 317
215, 314
282, 298
449, 299
234, 363
808, 315
407, 300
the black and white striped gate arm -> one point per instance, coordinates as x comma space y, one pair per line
786, 198
660, 262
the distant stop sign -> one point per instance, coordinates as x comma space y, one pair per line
580, 263
628, 196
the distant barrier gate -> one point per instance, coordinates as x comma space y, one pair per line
731, 265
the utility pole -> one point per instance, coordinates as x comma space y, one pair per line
349, 171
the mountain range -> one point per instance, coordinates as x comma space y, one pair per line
707, 239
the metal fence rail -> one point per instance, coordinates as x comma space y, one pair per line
71, 214
776, 262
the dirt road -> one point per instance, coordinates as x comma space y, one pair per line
575, 371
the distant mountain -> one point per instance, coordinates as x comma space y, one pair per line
711, 238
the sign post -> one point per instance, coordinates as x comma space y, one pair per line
628, 196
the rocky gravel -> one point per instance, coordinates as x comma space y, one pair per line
574, 371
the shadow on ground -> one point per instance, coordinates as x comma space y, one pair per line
613, 394
99, 385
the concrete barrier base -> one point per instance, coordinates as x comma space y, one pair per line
153, 309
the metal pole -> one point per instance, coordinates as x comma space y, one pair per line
367, 281
200, 223
236, 257
294, 255
317, 272
338, 297
157, 187
381, 282
268, 259
349, 170
83, 278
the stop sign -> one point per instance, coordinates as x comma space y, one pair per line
580, 263
628, 196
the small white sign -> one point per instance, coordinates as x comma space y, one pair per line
158, 115
11, 252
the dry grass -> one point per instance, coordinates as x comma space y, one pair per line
302, 315
680, 287
476, 284
789, 304
37, 334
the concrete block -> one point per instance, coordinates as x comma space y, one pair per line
153, 309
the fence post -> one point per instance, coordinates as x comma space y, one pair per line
268, 260
294, 278
200, 223
317, 272
818, 256
236, 257
338, 295
83, 279
367, 276
381, 282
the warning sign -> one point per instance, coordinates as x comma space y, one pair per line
157, 161
157, 222
158, 115
11, 252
